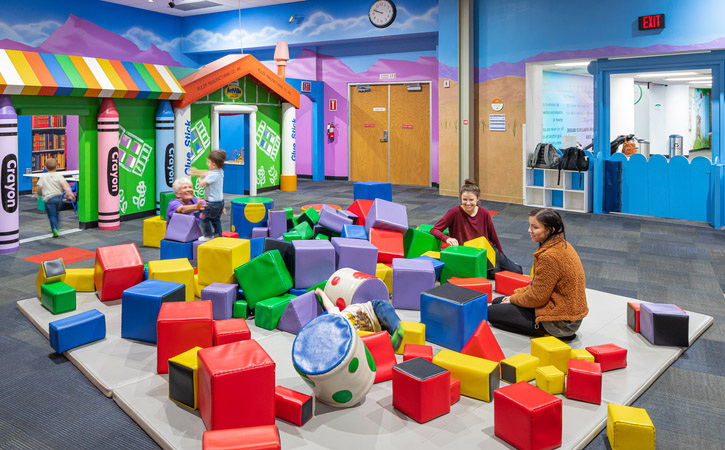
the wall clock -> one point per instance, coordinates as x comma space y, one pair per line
382, 13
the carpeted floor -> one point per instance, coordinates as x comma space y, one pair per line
48, 403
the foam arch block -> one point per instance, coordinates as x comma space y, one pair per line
527, 417
74, 331
421, 389
479, 377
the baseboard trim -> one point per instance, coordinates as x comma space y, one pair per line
336, 178
124, 218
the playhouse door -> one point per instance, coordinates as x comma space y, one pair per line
410, 134
369, 133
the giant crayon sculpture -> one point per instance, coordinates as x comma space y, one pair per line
108, 182
9, 233
164, 149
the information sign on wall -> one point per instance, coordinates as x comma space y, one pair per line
306, 86
333, 104
497, 122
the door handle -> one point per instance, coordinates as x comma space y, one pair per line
385, 136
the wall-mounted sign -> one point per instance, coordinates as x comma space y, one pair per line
333, 104
652, 22
369, 125
497, 122
306, 86
387, 76
465, 121
407, 127
497, 104
379, 109
233, 91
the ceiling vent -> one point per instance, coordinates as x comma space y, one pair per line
191, 6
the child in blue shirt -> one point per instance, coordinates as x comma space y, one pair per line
213, 181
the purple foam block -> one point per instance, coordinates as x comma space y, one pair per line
258, 232
182, 228
299, 311
222, 298
327, 208
664, 324
314, 262
349, 215
356, 254
333, 221
277, 223
385, 215
410, 278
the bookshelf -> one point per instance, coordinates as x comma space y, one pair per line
544, 188
48, 141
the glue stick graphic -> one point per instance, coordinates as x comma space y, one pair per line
108, 166
9, 214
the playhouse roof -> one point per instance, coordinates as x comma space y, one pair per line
30, 73
223, 71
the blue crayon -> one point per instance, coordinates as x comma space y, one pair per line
9, 212
165, 154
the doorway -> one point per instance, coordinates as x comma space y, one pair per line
390, 133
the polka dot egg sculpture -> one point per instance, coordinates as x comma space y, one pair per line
333, 360
347, 286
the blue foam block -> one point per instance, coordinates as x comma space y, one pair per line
297, 292
77, 330
256, 247
140, 307
370, 190
354, 232
240, 294
437, 264
451, 314
173, 250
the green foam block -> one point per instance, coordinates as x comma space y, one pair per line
58, 297
464, 262
269, 311
165, 198
304, 229
292, 236
417, 242
239, 309
310, 216
264, 277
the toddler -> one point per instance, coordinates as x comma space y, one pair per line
51, 185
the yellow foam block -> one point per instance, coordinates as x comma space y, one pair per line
184, 362
482, 242
414, 334
629, 428
362, 333
154, 230
53, 265
432, 254
80, 279
217, 259
552, 352
580, 353
197, 287
550, 379
479, 377
178, 270
385, 273
521, 367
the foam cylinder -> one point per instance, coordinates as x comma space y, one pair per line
165, 155
348, 286
288, 180
182, 141
109, 217
9, 213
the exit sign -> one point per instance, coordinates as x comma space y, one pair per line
653, 22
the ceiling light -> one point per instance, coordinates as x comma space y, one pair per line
708, 83
574, 64
664, 74
690, 79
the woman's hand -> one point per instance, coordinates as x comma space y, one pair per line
452, 241
506, 299
200, 205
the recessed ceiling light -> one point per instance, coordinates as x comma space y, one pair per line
573, 64
664, 74
704, 83
690, 79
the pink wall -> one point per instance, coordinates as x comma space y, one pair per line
303, 137
71, 142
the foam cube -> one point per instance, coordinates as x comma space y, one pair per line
385, 273
141, 304
117, 268
174, 250
417, 242
218, 258
154, 229
452, 314
482, 243
411, 351
371, 190
360, 208
414, 333
236, 386
176, 270
80, 279
550, 379
584, 381
356, 254
664, 324
437, 264
222, 298
303, 229
249, 212
410, 278
263, 277
182, 228
551, 351
527, 417
164, 199
479, 377
333, 221
434, 255
314, 262
609, 356
455, 390
197, 287
354, 232
57, 297
256, 247
286, 250
580, 353
184, 378
507, 282
50, 271
379, 345
386, 215
230, 330
421, 389
633, 316
263, 437
348, 214
240, 309
76, 330
181, 326
292, 406
521, 367
460, 261
300, 310
479, 284
309, 216
268, 312
230, 234
389, 244
629, 428
483, 344
277, 223
260, 232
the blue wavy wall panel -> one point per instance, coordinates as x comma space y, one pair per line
700, 192
679, 187
659, 194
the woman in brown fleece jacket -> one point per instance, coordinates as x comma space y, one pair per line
555, 302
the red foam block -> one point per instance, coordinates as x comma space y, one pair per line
265, 437
292, 406
483, 344
584, 381
230, 330
117, 268
479, 284
230, 234
381, 348
527, 417
507, 282
389, 244
421, 389
633, 316
181, 326
360, 208
455, 390
609, 356
411, 351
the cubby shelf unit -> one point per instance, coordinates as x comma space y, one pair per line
571, 192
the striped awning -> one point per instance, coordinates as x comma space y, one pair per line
30, 73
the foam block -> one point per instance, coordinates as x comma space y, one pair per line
418, 351
300, 310
551, 352
304, 229
154, 229
385, 273
182, 228
629, 428
174, 250
354, 232
609, 356
263, 277
664, 324
165, 198
371, 190
414, 334
421, 389
348, 214
230, 234
258, 232
482, 243
236, 386
333, 221
416, 242
521, 367
360, 208
292, 406
309, 216
117, 268
174, 270
580, 353
230, 330
256, 247
437, 263
181, 326
478, 377
633, 316
74, 331
249, 212
268, 312
389, 244
527, 418
550, 379
184, 378
410, 278
57, 297
277, 223
240, 309
222, 298
381, 348
141, 304
314, 262
356, 254
218, 258
465, 262
507, 282
249, 438
286, 250
483, 344
479, 284
80, 279
386, 215
452, 314
584, 381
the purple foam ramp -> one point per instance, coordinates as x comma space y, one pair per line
182, 228
277, 223
356, 254
410, 278
333, 221
314, 262
299, 311
222, 298
385, 215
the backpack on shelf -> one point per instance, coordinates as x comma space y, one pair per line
574, 158
545, 156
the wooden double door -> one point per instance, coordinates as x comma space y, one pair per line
390, 133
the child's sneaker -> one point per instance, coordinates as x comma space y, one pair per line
204, 239
397, 338
55, 232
